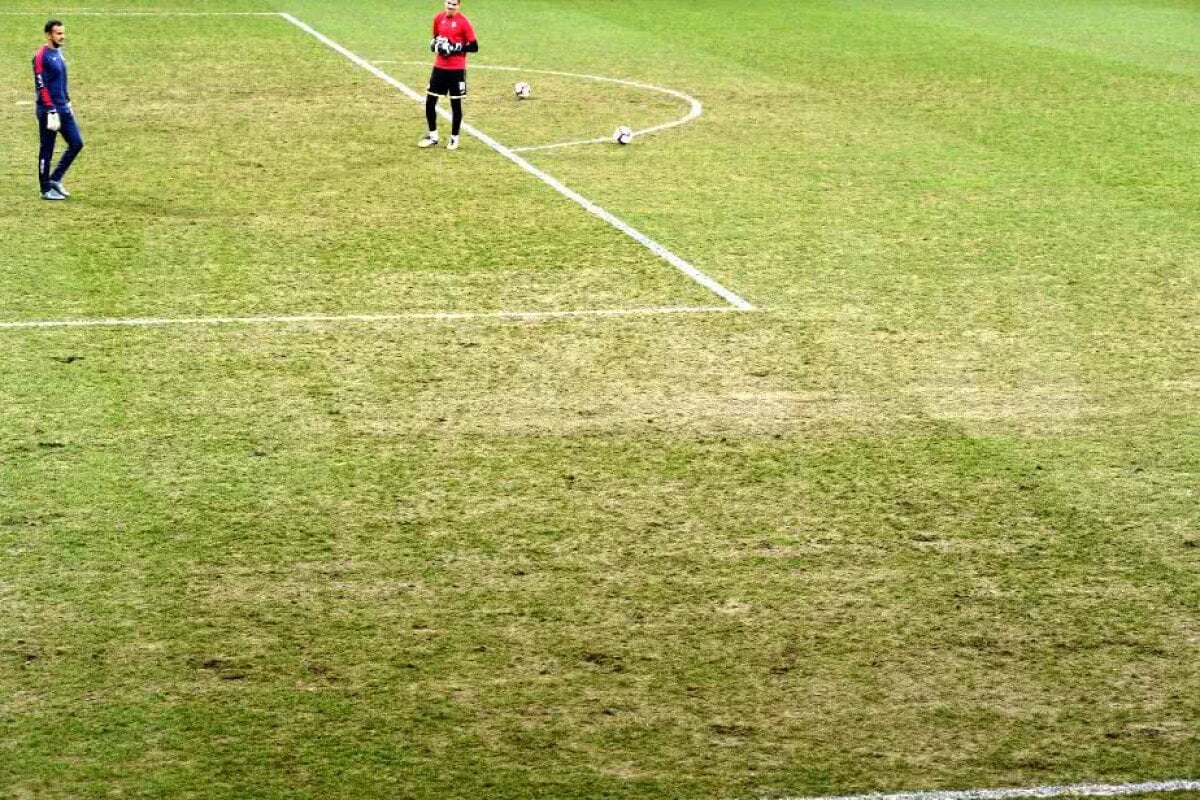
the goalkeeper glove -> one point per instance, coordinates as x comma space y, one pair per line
52, 121
445, 48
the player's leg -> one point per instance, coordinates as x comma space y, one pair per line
74, 139
430, 138
431, 98
45, 157
456, 107
456, 110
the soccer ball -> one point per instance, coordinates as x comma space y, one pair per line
522, 90
623, 134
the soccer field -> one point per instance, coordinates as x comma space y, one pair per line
840, 436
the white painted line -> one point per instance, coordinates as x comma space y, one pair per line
86, 13
434, 316
1076, 790
695, 109
656, 248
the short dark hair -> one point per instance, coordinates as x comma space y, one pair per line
52, 24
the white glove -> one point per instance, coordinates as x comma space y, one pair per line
438, 43
446, 48
53, 123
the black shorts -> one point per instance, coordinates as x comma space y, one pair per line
448, 81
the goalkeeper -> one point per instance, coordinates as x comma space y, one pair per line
453, 38
54, 113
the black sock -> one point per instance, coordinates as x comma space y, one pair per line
456, 115
431, 112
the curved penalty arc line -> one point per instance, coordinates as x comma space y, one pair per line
694, 107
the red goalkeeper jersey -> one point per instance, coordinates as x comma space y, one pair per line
457, 29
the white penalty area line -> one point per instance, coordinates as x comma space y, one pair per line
299, 319
1075, 790
659, 250
694, 107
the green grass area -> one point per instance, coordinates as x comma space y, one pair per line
324, 204
930, 520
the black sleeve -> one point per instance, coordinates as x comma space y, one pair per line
472, 46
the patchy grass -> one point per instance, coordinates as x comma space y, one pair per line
930, 521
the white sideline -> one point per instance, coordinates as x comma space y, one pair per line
694, 111
656, 248
1075, 790
435, 316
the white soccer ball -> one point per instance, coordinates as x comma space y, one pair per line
522, 90
623, 134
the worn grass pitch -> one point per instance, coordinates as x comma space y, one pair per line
929, 522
